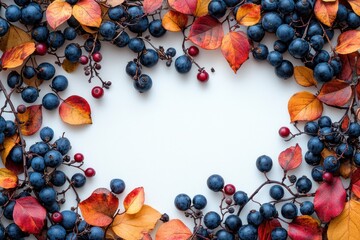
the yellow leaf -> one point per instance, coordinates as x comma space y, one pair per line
173, 230
248, 14
31, 120
75, 110
114, 3
201, 8
346, 226
69, 66
132, 226
174, 21
57, 13
15, 56
304, 106
8, 145
304, 76
8, 179
88, 13
134, 201
14, 37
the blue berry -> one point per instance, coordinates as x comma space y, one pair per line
356, 159
307, 208
55, 39
312, 159
156, 29
116, 13
171, 52
264, 163
78, 180
321, 56
9, 210
303, 184
298, 48
3, 199
254, 218
107, 30
31, 14
336, 65
233, 223
240, 198
324, 121
212, 220
132, 69
14, 79
248, 232
183, 64
47, 195
182, 202
63, 145
13, 13
289, 210
353, 20
271, 21
323, 72
315, 145
39, 148
2, 232
16, 154
279, 233
69, 219
143, 83
50, 101
135, 12
53, 159
10, 128
276, 192
275, 58
14, 232
70, 33
224, 235
56, 232
91, 45
285, 32
40, 34
140, 25
269, 5
59, 83
354, 130
136, 45
317, 42
317, 173
260, 52
256, 32
231, 3
96, 233
285, 69
342, 13
28, 72
345, 150
280, 46
149, 58
38, 164
199, 201
304, 7
46, 71
73, 52
331, 164
286, 6
268, 210
36, 180
215, 183
117, 186
58, 178
122, 39
217, 8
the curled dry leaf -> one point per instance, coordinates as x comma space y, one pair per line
57, 13
348, 42
134, 201
305, 228
183, 6
68, 66
346, 169
29, 215
335, 93
304, 76
30, 120
202, 8
14, 37
347, 224
349, 62
327, 207
235, 47
132, 226
88, 13
248, 14
75, 110
174, 229
15, 56
174, 21
291, 158
8, 144
326, 12
151, 6
207, 32
304, 106
266, 227
8, 179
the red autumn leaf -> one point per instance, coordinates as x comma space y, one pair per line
304, 76
58, 12
29, 215
349, 63
183, 6
15, 56
134, 201
8, 179
345, 122
355, 5
326, 12
355, 182
151, 6
75, 110
248, 14
174, 21
335, 93
348, 42
266, 227
206, 32
305, 228
329, 200
99, 208
174, 229
235, 47
30, 120
304, 106
290, 158
88, 13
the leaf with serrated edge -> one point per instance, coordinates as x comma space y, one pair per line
174, 21
75, 110
348, 42
30, 120
57, 13
248, 14
88, 13
174, 229
346, 226
304, 76
304, 106
8, 179
326, 12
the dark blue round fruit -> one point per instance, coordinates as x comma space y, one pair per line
14, 79
304, 7
212, 220
336, 65
275, 58
133, 69
136, 45
269, 5
353, 20
254, 218
135, 11
16, 154
312, 159
199, 201
298, 48
248, 232
40, 33
285, 32
276, 192
50, 101
38, 164
231, 3
92, 46
289, 210
63, 145
279, 233
285, 69
260, 52
171, 52
303, 184
345, 150
39, 148
59, 83
217, 8
56, 232
14, 232
116, 13
317, 173
73, 52
356, 159
29, 94
183, 64
182, 202
240, 198
315, 145
311, 128
78, 180
317, 42
286, 6
46, 71
55, 39
140, 25
323, 72
268, 211
53, 159
271, 21
215, 183
331, 164
321, 56
306, 208
342, 13
143, 83
28, 72
324, 121
13, 13
117, 185
70, 33
280, 46
47, 195
256, 32
156, 29
264, 163
31, 14
122, 39
107, 30
233, 223
9, 210
354, 130
3, 199
96, 233
149, 58
36, 180
58, 178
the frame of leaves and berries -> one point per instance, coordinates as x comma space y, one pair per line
31, 201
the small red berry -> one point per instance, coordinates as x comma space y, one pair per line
41, 49
78, 157
328, 177
193, 51
83, 60
97, 92
97, 57
228, 201
229, 189
90, 172
203, 76
21, 108
284, 132
56, 217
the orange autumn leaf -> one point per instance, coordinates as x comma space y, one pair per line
8, 144
134, 201
75, 110
151, 6
326, 12
8, 179
202, 8
88, 13
266, 227
15, 56
57, 13
99, 208
183, 6
132, 226
304, 106
335, 93
304, 76
30, 120
114, 3
174, 229
346, 225
355, 183
355, 5
235, 47
14, 37
304, 228
207, 32
290, 158
248, 14
174, 21
348, 42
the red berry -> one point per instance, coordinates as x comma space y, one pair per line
56, 217
90, 172
97, 57
83, 60
229, 189
193, 51
97, 92
228, 201
21, 108
284, 132
78, 157
203, 76
41, 49
328, 177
